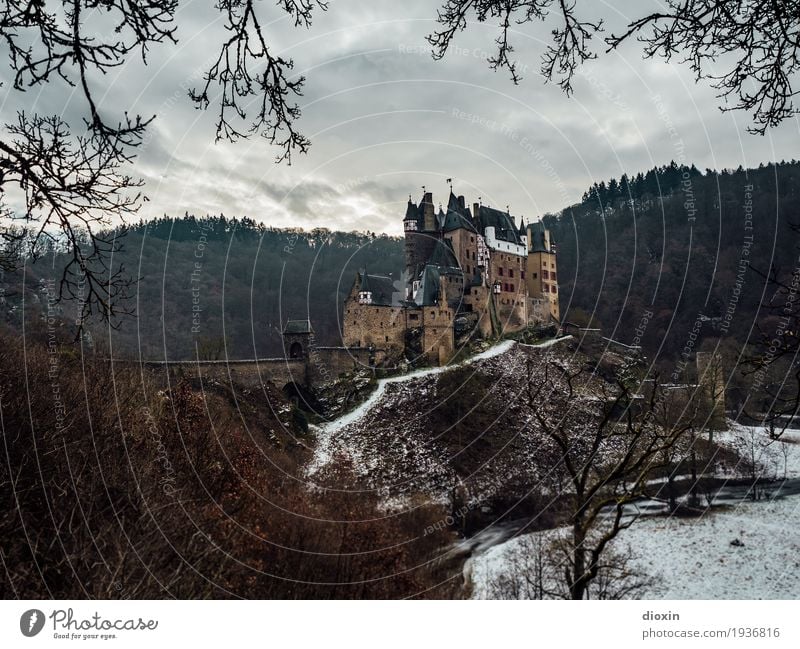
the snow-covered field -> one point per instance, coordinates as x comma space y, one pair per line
692, 558
779, 459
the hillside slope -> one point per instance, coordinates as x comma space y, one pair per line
462, 433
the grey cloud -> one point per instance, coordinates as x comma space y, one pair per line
383, 121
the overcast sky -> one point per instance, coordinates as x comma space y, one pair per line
385, 119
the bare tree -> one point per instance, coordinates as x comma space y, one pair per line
756, 452
609, 446
532, 570
67, 184
758, 40
677, 409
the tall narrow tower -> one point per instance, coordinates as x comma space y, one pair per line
411, 228
542, 273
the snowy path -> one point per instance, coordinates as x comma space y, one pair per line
325, 432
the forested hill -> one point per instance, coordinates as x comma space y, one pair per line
207, 281
670, 257
658, 259
213, 279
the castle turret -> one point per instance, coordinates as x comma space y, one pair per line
411, 228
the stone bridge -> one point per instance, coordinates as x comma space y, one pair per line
321, 365
305, 366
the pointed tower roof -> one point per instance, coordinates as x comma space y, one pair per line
411, 211
457, 216
440, 218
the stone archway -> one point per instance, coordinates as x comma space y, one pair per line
296, 350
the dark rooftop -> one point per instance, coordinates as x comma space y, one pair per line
502, 222
382, 288
298, 327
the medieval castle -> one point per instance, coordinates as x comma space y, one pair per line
466, 272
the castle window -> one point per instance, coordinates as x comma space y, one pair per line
500, 271
387, 339
511, 272
535, 275
552, 265
433, 315
472, 240
545, 275
511, 287
365, 297
545, 288
410, 226
413, 316
522, 274
553, 276
544, 264
553, 289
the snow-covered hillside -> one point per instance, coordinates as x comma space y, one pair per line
393, 446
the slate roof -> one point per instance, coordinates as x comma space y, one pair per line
502, 222
457, 217
443, 255
412, 211
440, 219
382, 289
536, 237
428, 293
298, 327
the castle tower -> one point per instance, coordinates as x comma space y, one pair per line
541, 273
711, 379
297, 338
411, 227
421, 233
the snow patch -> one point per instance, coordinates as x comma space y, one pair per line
325, 432
749, 552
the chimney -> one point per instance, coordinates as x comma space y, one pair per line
461, 203
430, 220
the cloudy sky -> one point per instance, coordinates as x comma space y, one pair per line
385, 119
